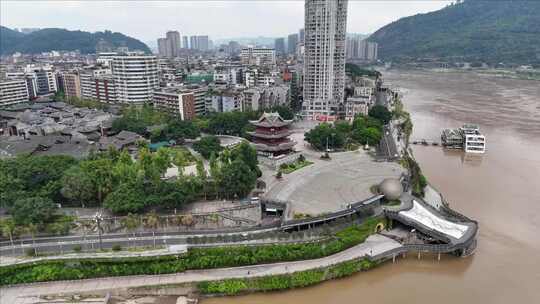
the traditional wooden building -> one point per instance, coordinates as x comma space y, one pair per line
271, 135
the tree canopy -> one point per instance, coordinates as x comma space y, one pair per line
49, 39
488, 31
207, 146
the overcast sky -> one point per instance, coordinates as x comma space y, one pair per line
148, 20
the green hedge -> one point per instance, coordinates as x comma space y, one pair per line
196, 258
278, 282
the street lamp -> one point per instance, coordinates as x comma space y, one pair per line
98, 218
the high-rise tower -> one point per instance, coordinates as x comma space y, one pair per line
174, 38
324, 59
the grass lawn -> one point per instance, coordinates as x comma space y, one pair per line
289, 168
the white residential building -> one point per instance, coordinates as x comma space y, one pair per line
258, 56
13, 91
136, 77
324, 58
105, 59
45, 78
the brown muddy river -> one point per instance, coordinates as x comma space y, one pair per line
501, 190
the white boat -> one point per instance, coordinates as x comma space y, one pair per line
468, 138
474, 141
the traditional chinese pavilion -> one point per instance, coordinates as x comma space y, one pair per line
271, 136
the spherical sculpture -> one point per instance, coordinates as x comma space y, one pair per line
391, 188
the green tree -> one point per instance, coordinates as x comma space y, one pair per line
181, 129
11, 188
100, 172
77, 186
201, 171
39, 175
129, 124
131, 222
126, 198
8, 229
381, 113
245, 152
364, 136
324, 133
33, 210
237, 178
151, 220
343, 127
208, 145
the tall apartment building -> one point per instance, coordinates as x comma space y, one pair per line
324, 62
201, 43
72, 84
292, 44
105, 89
13, 91
45, 78
164, 47
178, 102
170, 45
361, 49
174, 38
88, 77
135, 77
258, 56
185, 42
279, 46
200, 98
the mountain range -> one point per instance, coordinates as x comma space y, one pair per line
50, 39
489, 31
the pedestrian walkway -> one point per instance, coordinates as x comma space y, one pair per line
27, 294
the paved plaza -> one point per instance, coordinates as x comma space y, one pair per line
328, 186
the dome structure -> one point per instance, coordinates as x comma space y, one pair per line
391, 188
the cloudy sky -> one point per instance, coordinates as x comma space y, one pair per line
147, 20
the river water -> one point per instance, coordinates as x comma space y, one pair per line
500, 189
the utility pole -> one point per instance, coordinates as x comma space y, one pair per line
98, 218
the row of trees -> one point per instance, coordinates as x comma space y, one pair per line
166, 127
363, 130
31, 187
196, 258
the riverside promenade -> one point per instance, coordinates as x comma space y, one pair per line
29, 293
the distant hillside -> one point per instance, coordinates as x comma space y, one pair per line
490, 31
50, 39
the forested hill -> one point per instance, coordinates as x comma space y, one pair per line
50, 39
490, 31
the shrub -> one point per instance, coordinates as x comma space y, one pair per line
116, 247
77, 248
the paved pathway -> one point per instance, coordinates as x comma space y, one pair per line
26, 294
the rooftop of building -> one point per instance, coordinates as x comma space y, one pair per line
271, 119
